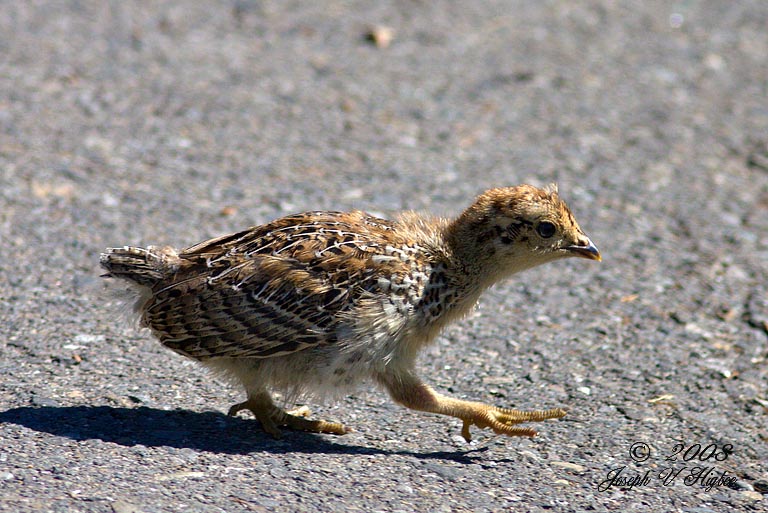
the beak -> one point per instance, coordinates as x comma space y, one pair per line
587, 250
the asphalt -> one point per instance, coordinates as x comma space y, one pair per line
170, 122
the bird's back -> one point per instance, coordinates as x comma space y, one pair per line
281, 287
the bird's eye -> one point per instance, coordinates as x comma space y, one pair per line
546, 229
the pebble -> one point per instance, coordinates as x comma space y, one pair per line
569, 466
121, 506
380, 35
751, 495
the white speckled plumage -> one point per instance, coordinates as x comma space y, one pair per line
318, 302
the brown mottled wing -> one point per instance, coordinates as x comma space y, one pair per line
270, 290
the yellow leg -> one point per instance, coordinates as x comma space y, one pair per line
272, 417
412, 393
301, 411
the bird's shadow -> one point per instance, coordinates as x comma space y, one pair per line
204, 431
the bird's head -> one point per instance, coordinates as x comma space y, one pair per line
510, 229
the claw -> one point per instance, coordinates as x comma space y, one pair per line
503, 421
465, 430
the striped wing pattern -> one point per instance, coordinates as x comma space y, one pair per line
269, 290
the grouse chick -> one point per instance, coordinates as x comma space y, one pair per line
314, 303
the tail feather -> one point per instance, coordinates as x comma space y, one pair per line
143, 266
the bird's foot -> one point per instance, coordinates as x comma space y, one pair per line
503, 420
301, 411
272, 417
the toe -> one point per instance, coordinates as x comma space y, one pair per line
314, 426
301, 411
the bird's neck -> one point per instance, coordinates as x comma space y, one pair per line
464, 241
468, 240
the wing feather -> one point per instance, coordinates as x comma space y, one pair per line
270, 290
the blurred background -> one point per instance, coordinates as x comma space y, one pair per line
144, 122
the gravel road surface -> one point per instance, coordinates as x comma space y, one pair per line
171, 122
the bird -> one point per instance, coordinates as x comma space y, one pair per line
314, 304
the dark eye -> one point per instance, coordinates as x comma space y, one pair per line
546, 229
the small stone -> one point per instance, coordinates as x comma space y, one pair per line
85, 339
44, 402
380, 35
180, 475
695, 329
569, 466
714, 62
752, 496
120, 506
405, 489
444, 471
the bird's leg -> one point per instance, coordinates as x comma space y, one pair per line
409, 391
271, 417
263, 409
